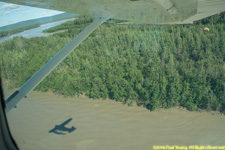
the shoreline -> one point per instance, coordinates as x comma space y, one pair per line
8, 92
21, 34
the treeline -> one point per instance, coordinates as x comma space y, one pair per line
17, 30
154, 66
71, 25
30, 24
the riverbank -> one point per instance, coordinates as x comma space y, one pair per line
106, 124
36, 32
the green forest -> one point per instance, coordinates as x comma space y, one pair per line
155, 66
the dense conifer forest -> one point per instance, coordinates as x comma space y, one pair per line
156, 66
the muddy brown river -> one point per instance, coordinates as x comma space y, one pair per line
108, 125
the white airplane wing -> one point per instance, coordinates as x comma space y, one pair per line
138, 11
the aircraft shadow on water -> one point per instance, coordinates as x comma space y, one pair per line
61, 129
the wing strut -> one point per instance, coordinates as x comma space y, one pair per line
28, 86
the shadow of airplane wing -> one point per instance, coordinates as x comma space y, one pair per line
65, 122
54, 131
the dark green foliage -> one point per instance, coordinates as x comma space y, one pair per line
156, 66
72, 26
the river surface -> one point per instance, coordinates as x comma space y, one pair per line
109, 125
36, 32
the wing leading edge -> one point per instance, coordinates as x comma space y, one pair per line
138, 11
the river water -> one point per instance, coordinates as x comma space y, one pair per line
36, 32
109, 125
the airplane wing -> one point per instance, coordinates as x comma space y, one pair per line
137, 11
65, 122
205, 9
